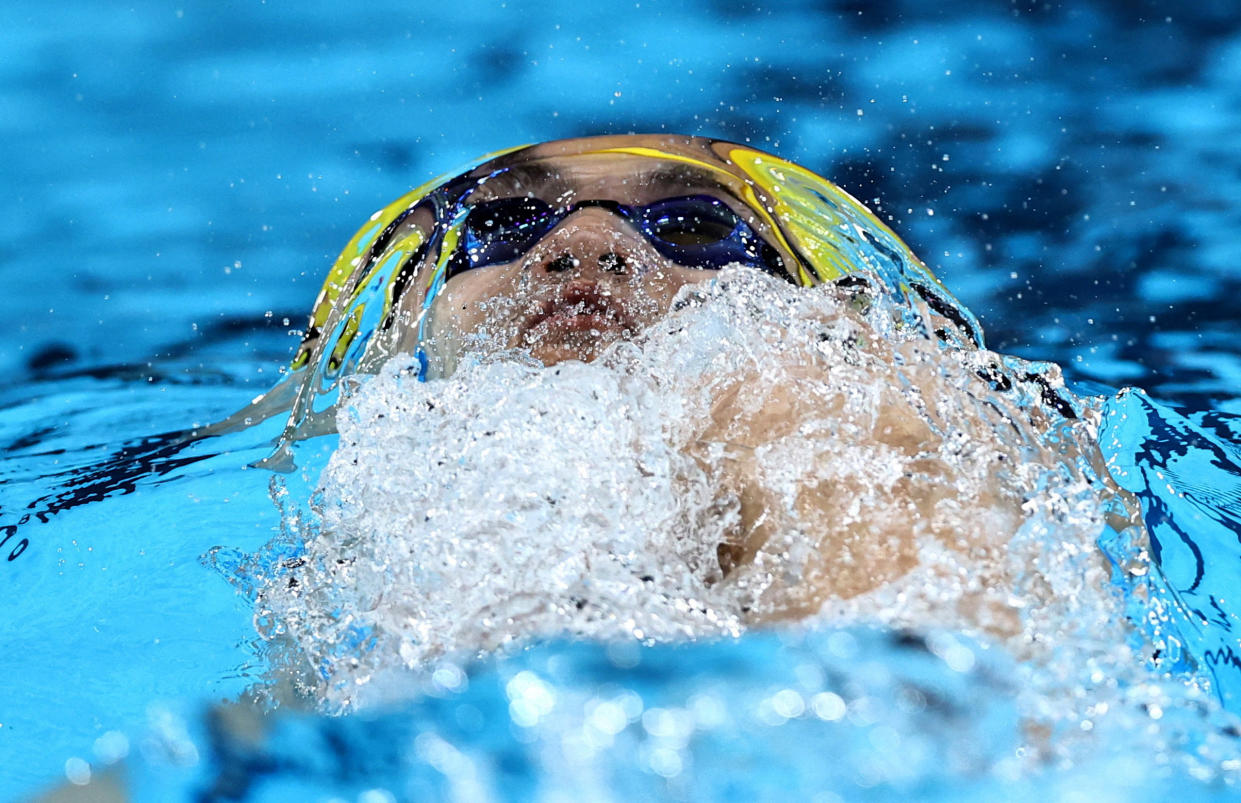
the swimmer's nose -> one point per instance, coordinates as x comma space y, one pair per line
609, 262
593, 243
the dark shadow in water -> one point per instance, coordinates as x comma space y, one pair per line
118, 474
149, 460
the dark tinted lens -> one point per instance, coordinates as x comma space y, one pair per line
696, 231
690, 221
699, 231
502, 230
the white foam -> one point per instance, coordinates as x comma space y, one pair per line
513, 501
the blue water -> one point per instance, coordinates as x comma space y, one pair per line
179, 178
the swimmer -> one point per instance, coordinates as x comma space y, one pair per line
562, 249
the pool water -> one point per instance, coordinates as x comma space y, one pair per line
182, 177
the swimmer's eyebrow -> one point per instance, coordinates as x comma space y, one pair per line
679, 175
516, 180
546, 182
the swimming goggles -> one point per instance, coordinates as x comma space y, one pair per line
695, 231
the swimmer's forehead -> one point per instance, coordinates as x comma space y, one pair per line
624, 177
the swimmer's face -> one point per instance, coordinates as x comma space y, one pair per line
589, 282
562, 258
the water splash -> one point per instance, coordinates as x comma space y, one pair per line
811, 438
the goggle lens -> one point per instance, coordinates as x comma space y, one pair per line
500, 231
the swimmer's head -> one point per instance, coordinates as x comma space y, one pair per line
565, 247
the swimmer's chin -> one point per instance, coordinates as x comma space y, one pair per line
584, 344
574, 335
553, 339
